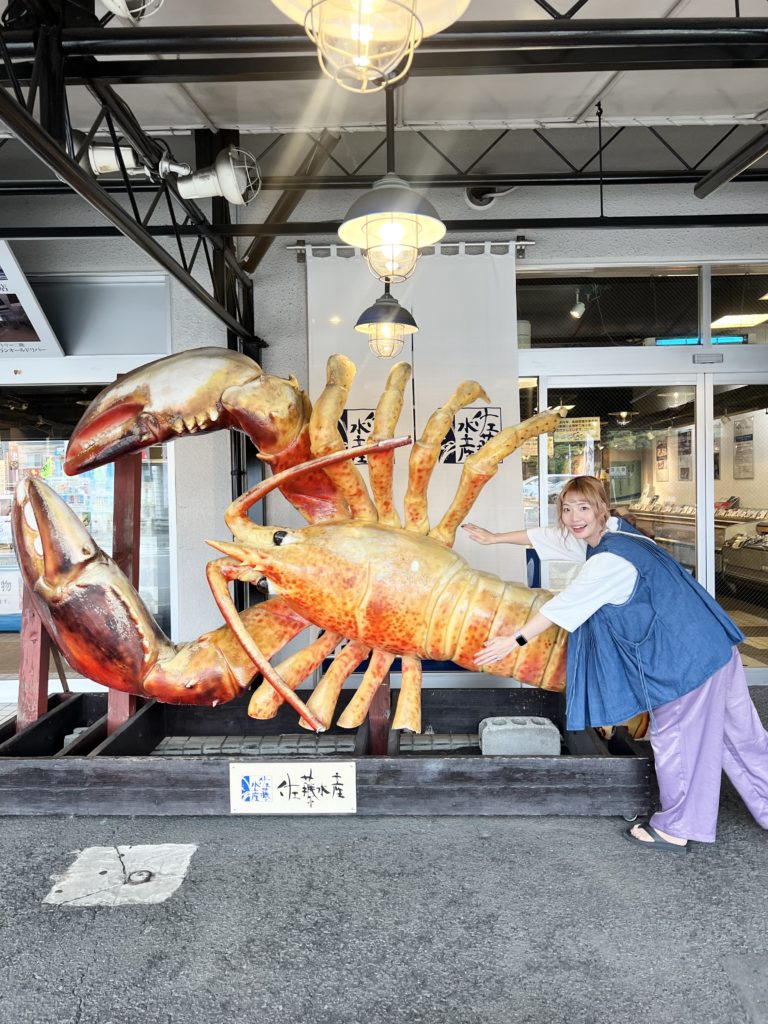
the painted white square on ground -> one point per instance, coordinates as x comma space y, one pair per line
293, 787
114, 876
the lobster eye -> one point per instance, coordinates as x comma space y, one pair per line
279, 536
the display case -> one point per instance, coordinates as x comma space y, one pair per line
745, 554
674, 528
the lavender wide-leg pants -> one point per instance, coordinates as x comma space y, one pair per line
713, 728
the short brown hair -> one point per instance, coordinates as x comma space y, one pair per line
593, 492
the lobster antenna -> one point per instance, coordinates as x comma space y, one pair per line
239, 507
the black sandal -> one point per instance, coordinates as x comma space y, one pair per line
659, 843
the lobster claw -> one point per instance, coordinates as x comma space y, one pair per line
86, 603
191, 392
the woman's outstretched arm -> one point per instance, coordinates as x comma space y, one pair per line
483, 536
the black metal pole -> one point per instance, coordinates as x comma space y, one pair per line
328, 229
468, 36
300, 183
599, 109
389, 107
749, 154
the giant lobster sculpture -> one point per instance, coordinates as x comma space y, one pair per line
355, 572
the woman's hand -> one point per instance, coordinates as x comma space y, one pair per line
495, 650
479, 535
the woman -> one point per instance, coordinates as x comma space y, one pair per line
646, 636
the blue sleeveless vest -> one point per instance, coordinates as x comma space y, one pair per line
667, 639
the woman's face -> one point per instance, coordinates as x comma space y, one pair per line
581, 519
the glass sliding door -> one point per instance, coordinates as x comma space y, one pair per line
640, 440
741, 511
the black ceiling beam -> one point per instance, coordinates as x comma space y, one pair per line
322, 182
743, 158
328, 229
39, 142
465, 35
284, 52
426, 65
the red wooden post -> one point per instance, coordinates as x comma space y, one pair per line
126, 533
33, 665
378, 720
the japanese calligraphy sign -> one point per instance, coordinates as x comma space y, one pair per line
472, 427
355, 427
293, 787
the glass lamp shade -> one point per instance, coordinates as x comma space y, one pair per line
365, 45
386, 340
391, 223
387, 324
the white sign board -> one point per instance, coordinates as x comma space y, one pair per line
293, 787
10, 592
24, 328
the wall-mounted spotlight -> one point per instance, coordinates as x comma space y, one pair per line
133, 10
578, 309
386, 323
391, 223
101, 157
234, 175
365, 45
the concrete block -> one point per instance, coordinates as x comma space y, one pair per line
523, 735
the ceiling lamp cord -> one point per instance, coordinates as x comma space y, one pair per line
599, 109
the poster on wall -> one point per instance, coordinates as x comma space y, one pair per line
24, 328
662, 459
743, 449
684, 452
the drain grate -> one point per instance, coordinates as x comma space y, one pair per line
285, 745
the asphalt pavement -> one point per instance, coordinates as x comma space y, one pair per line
345, 920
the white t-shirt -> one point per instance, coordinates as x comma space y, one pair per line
605, 578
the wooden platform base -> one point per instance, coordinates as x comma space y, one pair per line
65, 764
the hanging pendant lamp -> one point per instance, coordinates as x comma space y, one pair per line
386, 323
391, 223
365, 45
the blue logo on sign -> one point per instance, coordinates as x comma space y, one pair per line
255, 790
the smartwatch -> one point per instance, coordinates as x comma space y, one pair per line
520, 639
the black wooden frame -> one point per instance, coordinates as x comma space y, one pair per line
96, 775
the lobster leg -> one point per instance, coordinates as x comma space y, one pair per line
426, 451
408, 711
480, 467
218, 584
324, 432
326, 693
380, 464
266, 701
354, 713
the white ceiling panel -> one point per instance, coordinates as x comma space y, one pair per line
720, 93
